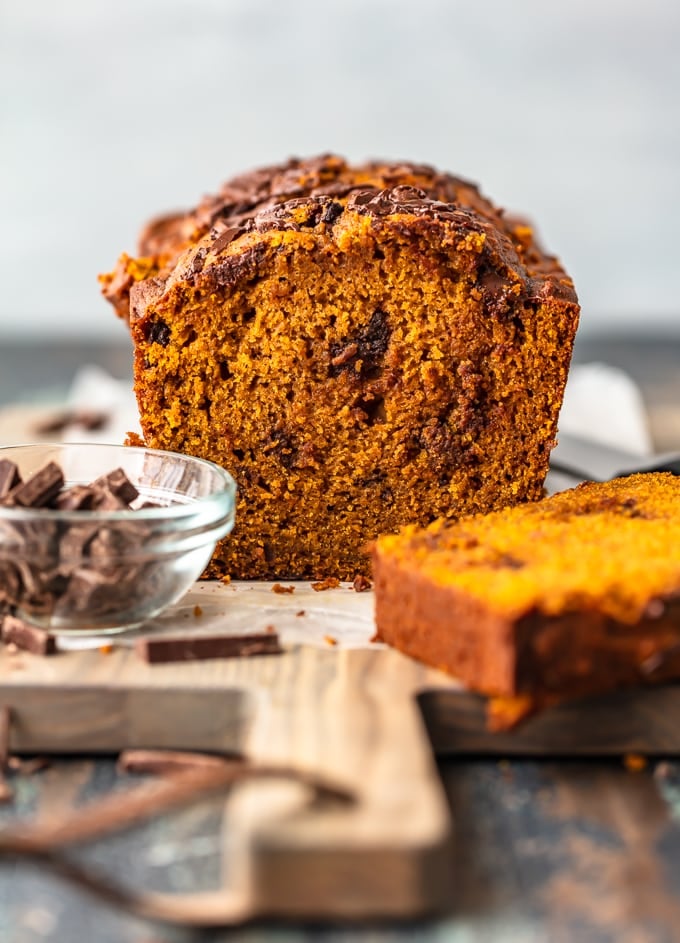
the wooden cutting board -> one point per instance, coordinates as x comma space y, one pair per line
365, 718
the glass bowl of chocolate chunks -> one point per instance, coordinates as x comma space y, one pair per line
101, 538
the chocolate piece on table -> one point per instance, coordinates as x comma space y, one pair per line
88, 420
40, 489
203, 647
9, 476
27, 637
118, 483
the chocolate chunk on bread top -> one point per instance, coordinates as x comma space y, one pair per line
361, 347
573, 595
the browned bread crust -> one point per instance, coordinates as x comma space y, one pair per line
163, 239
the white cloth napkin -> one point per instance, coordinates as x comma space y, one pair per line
603, 403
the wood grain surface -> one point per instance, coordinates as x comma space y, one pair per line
348, 715
366, 719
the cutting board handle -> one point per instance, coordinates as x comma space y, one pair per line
44, 842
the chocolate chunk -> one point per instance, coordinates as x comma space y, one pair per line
225, 238
158, 332
9, 476
118, 483
362, 197
369, 345
91, 590
74, 544
40, 489
203, 647
105, 500
77, 498
91, 421
331, 212
195, 267
123, 540
27, 637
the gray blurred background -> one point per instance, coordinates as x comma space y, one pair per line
567, 111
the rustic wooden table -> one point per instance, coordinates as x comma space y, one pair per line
551, 850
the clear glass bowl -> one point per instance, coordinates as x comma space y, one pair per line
108, 571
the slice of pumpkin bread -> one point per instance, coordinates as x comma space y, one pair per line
573, 595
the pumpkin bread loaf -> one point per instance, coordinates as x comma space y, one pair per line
358, 359
573, 595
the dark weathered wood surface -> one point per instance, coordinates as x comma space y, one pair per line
562, 851
544, 851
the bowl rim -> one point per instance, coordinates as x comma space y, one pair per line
173, 511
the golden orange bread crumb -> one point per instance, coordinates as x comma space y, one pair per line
502, 713
330, 582
635, 762
383, 347
575, 594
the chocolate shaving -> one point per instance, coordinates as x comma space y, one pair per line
225, 238
156, 651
